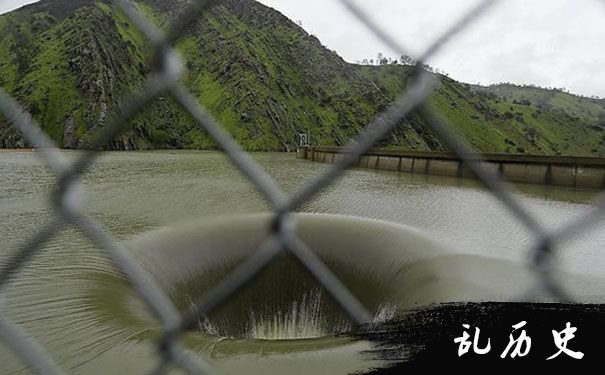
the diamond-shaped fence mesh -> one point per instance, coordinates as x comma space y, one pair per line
165, 81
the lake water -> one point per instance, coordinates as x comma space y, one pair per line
59, 295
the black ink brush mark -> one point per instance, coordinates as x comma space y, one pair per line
511, 336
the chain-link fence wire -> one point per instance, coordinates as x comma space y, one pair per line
164, 80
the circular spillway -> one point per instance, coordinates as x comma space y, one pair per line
390, 268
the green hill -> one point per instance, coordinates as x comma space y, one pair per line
557, 99
266, 79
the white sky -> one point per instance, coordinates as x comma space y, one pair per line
550, 43
8, 5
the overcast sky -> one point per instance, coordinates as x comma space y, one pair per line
551, 43
8, 5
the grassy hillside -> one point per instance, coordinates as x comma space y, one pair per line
548, 99
262, 76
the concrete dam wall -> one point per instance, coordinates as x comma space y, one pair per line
583, 172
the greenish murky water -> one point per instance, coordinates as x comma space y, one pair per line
399, 241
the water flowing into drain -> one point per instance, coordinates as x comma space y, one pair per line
303, 319
284, 302
391, 269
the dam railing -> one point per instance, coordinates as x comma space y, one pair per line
165, 80
580, 172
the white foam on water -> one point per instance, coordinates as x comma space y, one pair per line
303, 320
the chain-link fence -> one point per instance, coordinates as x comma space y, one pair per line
165, 80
